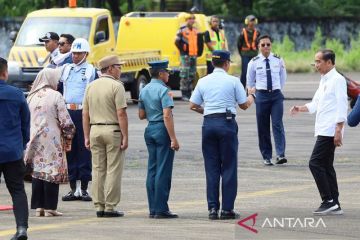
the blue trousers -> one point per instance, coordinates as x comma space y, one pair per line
244, 64
79, 158
220, 148
160, 165
270, 105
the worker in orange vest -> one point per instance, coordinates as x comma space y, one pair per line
215, 40
247, 45
187, 41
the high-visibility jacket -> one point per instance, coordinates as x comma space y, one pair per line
217, 44
249, 45
189, 40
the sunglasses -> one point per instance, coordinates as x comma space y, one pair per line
265, 44
62, 43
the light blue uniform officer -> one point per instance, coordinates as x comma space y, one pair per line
75, 77
267, 73
155, 105
220, 93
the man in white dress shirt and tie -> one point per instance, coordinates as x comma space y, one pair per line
330, 104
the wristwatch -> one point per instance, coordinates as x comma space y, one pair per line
254, 96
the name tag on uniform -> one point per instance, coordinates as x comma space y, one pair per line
259, 67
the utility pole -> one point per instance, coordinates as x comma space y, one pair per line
162, 5
199, 5
130, 5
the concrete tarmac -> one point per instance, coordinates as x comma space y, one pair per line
274, 202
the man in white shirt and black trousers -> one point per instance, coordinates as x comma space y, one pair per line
330, 104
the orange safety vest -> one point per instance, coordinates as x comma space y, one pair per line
253, 43
189, 37
215, 43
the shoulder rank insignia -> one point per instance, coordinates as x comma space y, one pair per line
255, 58
276, 55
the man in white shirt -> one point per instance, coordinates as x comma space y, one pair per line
330, 105
51, 41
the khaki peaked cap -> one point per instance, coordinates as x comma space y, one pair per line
109, 61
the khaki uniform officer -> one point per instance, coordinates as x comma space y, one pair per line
104, 109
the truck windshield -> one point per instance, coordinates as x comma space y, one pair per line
35, 27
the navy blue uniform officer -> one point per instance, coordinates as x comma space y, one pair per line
155, 105
220, 93
267, 73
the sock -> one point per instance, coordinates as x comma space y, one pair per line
84, 185
73, 185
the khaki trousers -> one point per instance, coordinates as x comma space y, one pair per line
107, 166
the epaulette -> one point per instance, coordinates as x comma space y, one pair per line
255, 58
277, 56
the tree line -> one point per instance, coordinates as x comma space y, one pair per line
233, 9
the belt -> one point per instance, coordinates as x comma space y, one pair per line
74, 106
218, 115
156, 121
268, 91
103, 124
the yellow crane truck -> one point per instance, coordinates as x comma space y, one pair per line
142, 37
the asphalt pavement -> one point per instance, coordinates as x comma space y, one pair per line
274, 202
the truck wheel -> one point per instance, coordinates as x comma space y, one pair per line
136, 87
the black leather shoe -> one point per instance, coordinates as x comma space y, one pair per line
281, 160
100, 213
70, 196
166, 214
21, 234
229, 215
151, 215
85, 196
213, 214
114, 214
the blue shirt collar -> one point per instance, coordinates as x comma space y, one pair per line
2, 81
154, 80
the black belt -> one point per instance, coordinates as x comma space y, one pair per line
218, 115
103, 124
156, 121
268, 91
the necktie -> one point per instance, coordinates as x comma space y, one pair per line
268, 75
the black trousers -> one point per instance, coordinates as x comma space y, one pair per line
44, 194
14, 178
322, 168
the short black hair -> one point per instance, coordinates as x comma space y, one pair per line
155, 72
70, 38
218, 62
3, 65
263, 37
328, 54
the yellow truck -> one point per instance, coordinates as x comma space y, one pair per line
142, 37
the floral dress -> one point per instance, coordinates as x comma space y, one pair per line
51, 126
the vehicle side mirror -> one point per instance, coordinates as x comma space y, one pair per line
13, 35
100, 37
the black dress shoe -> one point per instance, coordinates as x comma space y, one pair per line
21, 234
213, 214
70, 196
229, 215
85, 196
281, 160
100, 213
151, 215
166, 214
114, 214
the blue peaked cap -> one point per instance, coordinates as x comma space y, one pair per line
160, 64
221, 55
